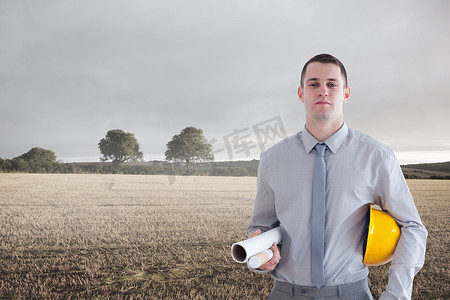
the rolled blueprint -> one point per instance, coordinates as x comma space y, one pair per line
242, 251
259, 259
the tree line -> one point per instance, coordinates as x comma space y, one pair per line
188, 153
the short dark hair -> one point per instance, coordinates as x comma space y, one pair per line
325, 59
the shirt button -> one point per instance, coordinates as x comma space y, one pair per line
304, 291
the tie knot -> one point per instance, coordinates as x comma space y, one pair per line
320, 148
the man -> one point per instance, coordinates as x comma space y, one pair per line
359, 171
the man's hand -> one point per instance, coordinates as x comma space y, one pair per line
273, 262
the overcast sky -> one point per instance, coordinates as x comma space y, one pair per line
70, 70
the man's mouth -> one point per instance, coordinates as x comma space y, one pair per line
322, 102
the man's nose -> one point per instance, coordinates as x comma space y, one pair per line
322, 92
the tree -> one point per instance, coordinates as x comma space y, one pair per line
5, 165
189, 146
38, 160
119, 146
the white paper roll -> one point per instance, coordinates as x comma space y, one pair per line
259, 259
243, 250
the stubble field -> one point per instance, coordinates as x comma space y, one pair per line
159, 237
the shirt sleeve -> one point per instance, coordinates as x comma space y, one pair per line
264, 215
409, 254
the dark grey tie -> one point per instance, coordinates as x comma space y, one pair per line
318, 217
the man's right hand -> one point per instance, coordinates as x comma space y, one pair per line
273, 262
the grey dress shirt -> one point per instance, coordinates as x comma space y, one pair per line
360, 171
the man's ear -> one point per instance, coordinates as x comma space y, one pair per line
300, 93
346, 94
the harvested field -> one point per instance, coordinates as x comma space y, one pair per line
159, 237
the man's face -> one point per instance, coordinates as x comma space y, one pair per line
324, 93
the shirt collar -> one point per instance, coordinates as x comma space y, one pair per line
334, 142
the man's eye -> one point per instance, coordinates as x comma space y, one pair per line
313, 84
332, 85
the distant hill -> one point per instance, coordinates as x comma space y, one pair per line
442, 166
427, 170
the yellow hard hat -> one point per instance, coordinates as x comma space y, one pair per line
381, 238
